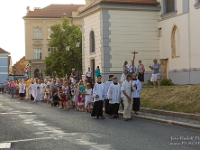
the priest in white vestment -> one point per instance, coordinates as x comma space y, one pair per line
114, 95
99, 96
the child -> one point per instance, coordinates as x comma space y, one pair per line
75, 98
81, 95
88, 98
47, 95
66, 91
72, 93
62, 97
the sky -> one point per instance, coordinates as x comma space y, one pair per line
12, 24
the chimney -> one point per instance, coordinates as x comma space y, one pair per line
27, 9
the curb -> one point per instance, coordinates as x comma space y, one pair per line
169, 122
171, 113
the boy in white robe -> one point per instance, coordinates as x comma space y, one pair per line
99, 96
114, 95
107, 85
136, 86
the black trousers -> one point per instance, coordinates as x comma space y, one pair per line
136, 104
32, 98
97, 109
107, 106
113, 109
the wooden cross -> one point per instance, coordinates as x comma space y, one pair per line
134, 53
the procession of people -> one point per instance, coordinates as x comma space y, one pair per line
91, 95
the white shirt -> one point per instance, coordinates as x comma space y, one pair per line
99, 89
89, 73
114, 93
126, 86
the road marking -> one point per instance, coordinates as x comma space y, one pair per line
5, 145
16, 113
25, 140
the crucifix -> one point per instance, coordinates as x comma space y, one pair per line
134, 53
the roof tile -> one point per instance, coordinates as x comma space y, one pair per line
53, 11
95, 2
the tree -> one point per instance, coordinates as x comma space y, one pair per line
60, 60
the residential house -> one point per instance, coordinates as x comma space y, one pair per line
37, 32
5, 65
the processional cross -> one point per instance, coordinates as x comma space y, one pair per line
134, 53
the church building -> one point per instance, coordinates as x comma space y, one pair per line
167, 30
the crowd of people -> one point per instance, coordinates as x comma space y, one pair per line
90, 95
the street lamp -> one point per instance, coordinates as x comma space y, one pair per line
77, 41
67, 47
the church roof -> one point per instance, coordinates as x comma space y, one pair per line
2, 51
96, 2
53, 11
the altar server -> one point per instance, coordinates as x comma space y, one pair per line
136, 86
107, 85
99, 96
114, 95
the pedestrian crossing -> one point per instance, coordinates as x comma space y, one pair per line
5, 145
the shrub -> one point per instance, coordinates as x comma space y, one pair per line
166, 82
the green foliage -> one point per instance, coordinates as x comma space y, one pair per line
60, 60
166, 82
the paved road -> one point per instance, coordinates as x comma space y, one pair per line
31, 126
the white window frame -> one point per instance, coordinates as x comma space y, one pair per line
197, 4
92, 42
37, 53
37, 33
49, 33
50, 49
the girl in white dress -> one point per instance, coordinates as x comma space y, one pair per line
88, 98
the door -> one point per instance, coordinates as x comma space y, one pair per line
164, 68
92, 64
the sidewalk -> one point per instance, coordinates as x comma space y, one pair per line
168, 117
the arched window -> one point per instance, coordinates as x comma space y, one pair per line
175, 42
92, 42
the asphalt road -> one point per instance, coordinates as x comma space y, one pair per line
25, 125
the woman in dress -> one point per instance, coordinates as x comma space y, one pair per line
125, 71
66, 91
141, 71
